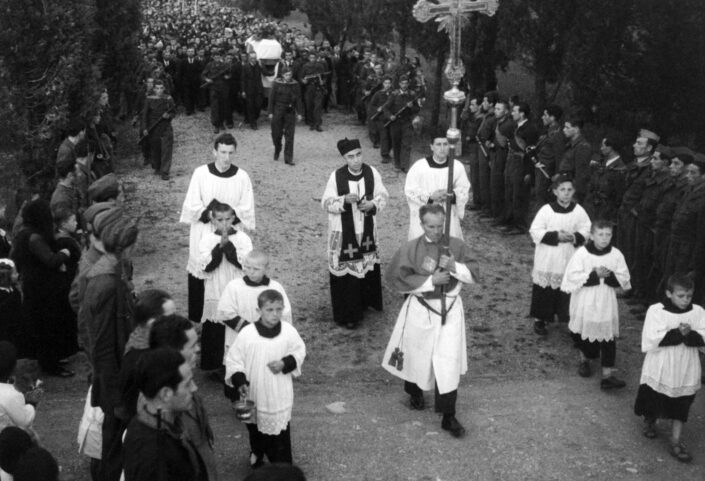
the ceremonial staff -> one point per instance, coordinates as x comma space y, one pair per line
450, 15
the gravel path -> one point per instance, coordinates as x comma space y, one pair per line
529, 416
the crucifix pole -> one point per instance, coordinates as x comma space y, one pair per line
450, 14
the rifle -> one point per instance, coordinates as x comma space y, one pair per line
314, 75
218, 74
482, 147
401, 111
151, 127
377, 114
372, 91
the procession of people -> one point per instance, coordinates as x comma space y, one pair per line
607, 223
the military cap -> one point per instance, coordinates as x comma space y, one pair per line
649, 135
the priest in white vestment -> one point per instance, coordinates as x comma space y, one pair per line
222, 181
428, 347
427, 183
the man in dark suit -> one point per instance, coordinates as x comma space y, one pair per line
190, 73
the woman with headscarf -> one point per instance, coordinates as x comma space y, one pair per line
40, 263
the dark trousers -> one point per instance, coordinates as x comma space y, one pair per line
401, 135
373, 128
253, 105
212, 346
161, 145
516, 193
196, 291
499, 159
547, 302
111, 453
444, 403
643, 260
605, 350
284, 124
474, 171
277, 447
220, 107
483, 181
313, 98
350, 296
190, 98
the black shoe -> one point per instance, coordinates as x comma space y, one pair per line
165, 176
216, 130
311, 127
513, 231
386, 159
452, 425
584, 369
375, 145
319, 129
276, 154
256, 461
611, 382
417, 402
540, 328
230, 125
290, 162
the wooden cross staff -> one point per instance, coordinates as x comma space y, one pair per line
450, 14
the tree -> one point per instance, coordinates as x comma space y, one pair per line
48, 70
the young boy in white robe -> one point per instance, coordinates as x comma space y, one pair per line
591, 278
221, 252
557, 230
238, 302
670, 376
260, 365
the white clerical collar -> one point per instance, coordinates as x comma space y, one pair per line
355, 173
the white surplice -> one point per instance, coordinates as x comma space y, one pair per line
422, 180
236, 191
273, 394
239, 299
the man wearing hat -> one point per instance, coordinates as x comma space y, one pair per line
400, 109
606, 185
354, 195
284, 109
427, 183
638, 172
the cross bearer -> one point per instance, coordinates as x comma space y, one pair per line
353, 197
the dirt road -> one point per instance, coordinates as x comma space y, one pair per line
529, 416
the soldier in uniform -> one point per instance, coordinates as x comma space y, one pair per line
284, 110
549, 152
576, 158
499, 147
158, 111
400, 108
606, 182
485, 135
518, 172
311, 77
472, 117
645, 213
217, 76
372, 86
377, 119
636, 176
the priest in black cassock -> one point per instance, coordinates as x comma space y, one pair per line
353, 197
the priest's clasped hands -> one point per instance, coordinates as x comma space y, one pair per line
446, 265
363, 204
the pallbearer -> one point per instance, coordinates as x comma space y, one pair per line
353, 197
